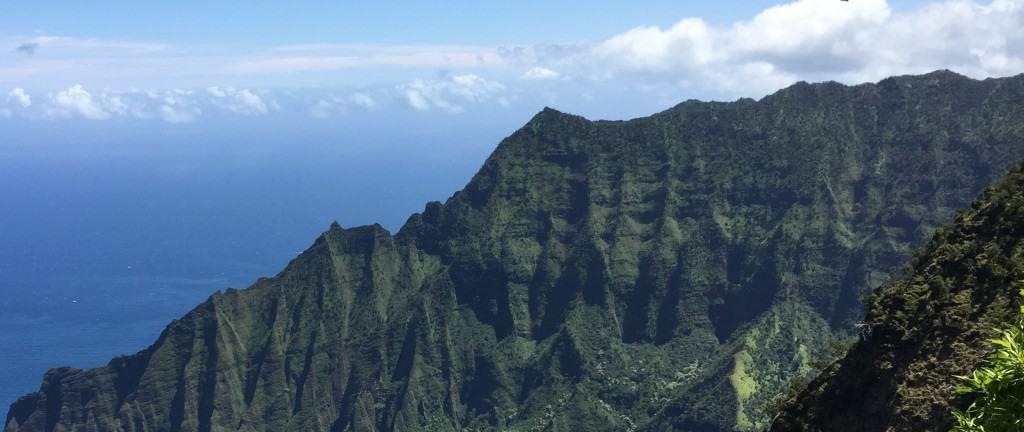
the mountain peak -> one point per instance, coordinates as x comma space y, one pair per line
654, 274
552, 117
941, 74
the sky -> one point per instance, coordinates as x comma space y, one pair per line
187, 62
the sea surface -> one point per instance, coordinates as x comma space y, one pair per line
101, 249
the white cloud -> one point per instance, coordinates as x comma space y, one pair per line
338, 104
177, 106
238, 101
77, 100
474, 88
417, 100
362, 100
448, 94
172, 106
814, 40
216, 92
540, 73
19, 96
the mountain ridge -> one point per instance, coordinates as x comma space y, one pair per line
928, 328
662, 272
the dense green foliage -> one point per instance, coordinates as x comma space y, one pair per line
798, 383
997, 388
931, 326
668, 272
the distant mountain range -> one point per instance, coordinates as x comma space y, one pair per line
672, 272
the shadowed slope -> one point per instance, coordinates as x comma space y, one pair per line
927, 328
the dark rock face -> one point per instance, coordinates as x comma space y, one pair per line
927, 328
669, 272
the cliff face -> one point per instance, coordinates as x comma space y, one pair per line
665, 272
927, 328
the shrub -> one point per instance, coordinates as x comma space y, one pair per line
997, 387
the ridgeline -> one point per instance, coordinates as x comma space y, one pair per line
667, 272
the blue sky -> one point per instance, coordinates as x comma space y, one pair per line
185, 62
247, 24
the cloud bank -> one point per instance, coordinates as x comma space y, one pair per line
76, 100
448, 94
812, 40
238, 101
18, 96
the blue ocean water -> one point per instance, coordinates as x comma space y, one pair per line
99, 250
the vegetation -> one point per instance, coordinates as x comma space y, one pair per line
931, 326
798, 383
998, 387
664, 273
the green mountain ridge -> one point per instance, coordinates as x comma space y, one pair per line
928, 328
664, 273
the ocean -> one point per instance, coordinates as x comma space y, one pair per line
100, 250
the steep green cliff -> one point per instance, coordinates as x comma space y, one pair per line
668, 272
927, 328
